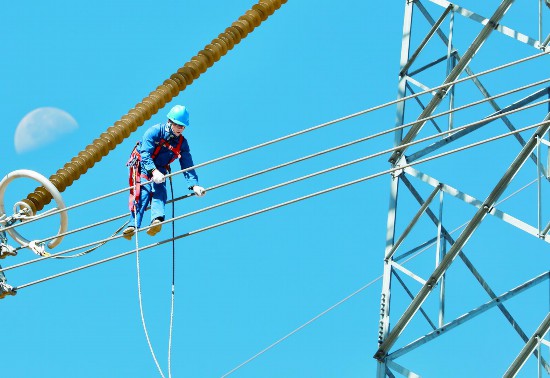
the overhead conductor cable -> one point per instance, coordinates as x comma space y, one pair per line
325, 124
379, 153
270, 208
144, 110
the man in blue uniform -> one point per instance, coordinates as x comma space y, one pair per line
161, 144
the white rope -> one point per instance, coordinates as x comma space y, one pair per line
170, 332
172, 301
264, 144
267, 209
140, 298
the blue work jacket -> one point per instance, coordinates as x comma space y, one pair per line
149, 143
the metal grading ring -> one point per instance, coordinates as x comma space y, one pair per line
49, 187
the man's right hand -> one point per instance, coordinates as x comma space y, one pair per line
158, 177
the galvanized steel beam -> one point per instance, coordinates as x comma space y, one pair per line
529, 348
462, 240
496, 301
457, 70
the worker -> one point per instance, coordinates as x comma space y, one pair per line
161, 145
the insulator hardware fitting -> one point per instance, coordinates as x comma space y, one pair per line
7, 250
6, 290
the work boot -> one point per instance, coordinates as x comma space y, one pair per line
155, 227
128, 232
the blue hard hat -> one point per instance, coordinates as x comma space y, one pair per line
179, 115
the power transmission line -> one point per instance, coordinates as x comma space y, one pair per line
324, 152
380, 153
103, 241
267, 209
297, 133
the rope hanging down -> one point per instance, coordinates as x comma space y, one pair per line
172, 301
142, 315
140, 299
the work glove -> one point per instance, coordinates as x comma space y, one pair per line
158, 177
199, 190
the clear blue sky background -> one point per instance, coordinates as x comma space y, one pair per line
243, 286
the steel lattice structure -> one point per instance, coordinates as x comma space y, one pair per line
431, 59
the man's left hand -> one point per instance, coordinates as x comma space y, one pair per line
199, 190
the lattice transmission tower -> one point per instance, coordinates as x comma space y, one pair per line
466, 243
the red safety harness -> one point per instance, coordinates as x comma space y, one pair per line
134, 165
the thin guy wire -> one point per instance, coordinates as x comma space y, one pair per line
303, 326
298, 179
517, 191
334, 306
267, 209
318, 154
377, 107
271, 346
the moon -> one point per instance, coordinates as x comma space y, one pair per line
42, 126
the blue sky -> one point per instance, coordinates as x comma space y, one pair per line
245, 285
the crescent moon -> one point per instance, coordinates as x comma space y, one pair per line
42, 126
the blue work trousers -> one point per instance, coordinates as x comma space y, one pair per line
150, 193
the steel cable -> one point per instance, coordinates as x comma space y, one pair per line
289, 162
264, 144
270, 208
362, 159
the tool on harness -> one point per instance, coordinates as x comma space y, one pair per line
134, 165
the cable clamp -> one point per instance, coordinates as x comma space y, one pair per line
7, 250
6, 221
38, 248
401, 161
23, 214
6, 289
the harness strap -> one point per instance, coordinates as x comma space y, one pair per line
174, 150
134, 178
134, 165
